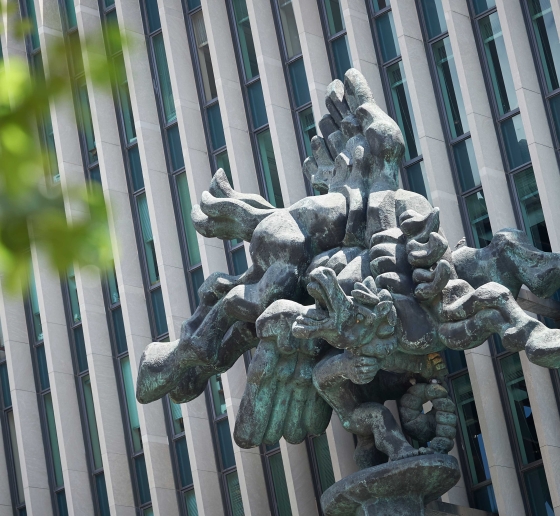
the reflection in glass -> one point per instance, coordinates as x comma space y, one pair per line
135, 168
450, 88
166, 92
485, 500
185, 475
215, 126
186, 208
218, 395
498, 64
554, 104
120, 333
86, 121
387, 37
124, 98
73, 294
92, 423
403, 109
417, 180
341, 55
177, 417
53, 440
324, 462
142, 478
256, 101
531, 209
246, 43
335, 19
204, 59
467, 167
435, 17
190, 502
130, 395
539, 494
515, 142
159, 311
35, 311
153, 15
289, 28
478, 219
298, 79
175, 148
234, 491
280, 485
226, 446
380, 4
148, 238
270, 170
483, 5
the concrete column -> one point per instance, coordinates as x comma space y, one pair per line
362, 50
533, 113
341, 446
232, 107
494, 431
77, 485
314, 52
547, 420
248, 462
299, 479
29, 436
424, 105
479, 115
279, 112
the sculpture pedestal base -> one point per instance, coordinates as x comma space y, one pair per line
400, 488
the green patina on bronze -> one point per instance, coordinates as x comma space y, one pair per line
349, 299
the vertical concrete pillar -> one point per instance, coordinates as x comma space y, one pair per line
479, 116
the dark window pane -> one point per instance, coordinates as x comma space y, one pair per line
417, 180
186, 208
204, 59
455, 360
515, 142
270, 171
75, 314
153, 15
92, 423
483, 5
86, 122
70, 13
42, 367
95, 175
215, 126
120, 333
341, 55
299, 83
61, 502
548, 44
142, 477
80, 344
324, 462
5, 382
308, 129
470, 428
222, 161
124, 98
435, 17
335, 19
76, 53
15, 456
498, 64
226, 447
387, 37
175, 148
467, 167
34, 301
403, 109
30, 7
520, 407
478, 219
234, 492
53, 440
159, 311
165, 90
256, 101
485, 500
380, 4
218, 397
135, 168
280, 485
239, 261
184, 464
130, 395
450, 88
554, 103
176, 417
197, 278
101, 488
190, 502
539, 495
148, 238
289, 28
531, 209
193, 4
112, 285
248, 54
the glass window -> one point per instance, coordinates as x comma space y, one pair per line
5, 382
450, 88
289, 28
280, 485
92, 423
218, 395
42, 367
154, 22
177, 417
124, 98
113, 285
87, 124
73, 295
147, 236
454, 360
76, 53
80, 344
548, 43
539, 494
34, 301
142, 478
417, 180
197, 278
270, 170
246, 43
186, 208
135, 168
554, 104
102, 498
222, 161
403, 109
256, 101
193, 4
61, 502
335, 19
159, 311
498, 64
298, 79
324, 462
30, 7
467, 167
226, 446
531, 209
478, 219
308, 129
435, 17
520, 407
120, 333
165, 90
53, 440
184, 464
48, 131
175, 148
204, 59
515, 142
483, 5
15, 456
387, 37
470, 428
485, 500
130, 395
239, 261
234, 491
341, 55
70, 13
215, 126
190, 502
380, 4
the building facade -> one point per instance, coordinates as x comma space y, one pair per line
239, 85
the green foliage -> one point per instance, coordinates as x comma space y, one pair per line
33, 207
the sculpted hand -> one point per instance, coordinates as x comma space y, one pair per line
360, 369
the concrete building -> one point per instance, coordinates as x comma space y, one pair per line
239, 84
